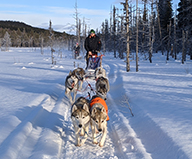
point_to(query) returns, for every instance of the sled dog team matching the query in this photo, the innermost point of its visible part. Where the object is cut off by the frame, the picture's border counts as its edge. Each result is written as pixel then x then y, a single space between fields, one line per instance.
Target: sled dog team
pixel 84 112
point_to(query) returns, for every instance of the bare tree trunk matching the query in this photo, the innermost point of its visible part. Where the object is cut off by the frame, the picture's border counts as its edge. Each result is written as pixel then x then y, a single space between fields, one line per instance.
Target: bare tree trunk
pixel 183 49
pixel 114 31
pixel 169 38
pixel 150 40
pixel 42 40
pixel 137 32
pixel 127 28
pixel 77 23
pixel 84 32
pixel 175 40
pixel 79 32
pixel 186 43
pixel 151 34
pixel 144 28
pixel 103 37
pixel 51 40
pixel 110 29
pixel 160 33
pixel 121 46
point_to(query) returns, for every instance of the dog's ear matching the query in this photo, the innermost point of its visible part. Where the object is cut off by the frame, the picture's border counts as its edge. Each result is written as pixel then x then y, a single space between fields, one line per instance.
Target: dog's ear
pixel 70 73
pixel 74 108
pixel 94 110
pixel 85 107
pixel 103 110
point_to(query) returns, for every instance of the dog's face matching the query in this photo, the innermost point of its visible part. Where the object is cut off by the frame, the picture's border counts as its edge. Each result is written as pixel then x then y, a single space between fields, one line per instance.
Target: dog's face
pixel 80 73
pixel 80 116
pixel 71 81
pixel 99 116
pixel 99 72
pixel 102 88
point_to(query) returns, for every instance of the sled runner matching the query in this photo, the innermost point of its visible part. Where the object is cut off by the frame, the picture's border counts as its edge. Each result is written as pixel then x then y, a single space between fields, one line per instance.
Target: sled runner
pixel 94 62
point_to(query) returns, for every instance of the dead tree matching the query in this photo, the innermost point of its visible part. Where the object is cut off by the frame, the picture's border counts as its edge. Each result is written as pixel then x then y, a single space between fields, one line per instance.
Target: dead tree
pixel 151 34
pixel 175 40
pixel 51 34
pixel 127 30
pixel 160 32
pixel 79 31
pixel 137 32
pixel 183 45
pixel 114 31
pixel 169 38
pixel 144 26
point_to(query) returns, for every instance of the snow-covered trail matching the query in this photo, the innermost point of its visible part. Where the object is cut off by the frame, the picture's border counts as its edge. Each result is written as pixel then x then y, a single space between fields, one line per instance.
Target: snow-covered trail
pixel 147 137
pixel 122 141
pixel 37 131
pixel 112 148
pixel 35 115
pixel 128 142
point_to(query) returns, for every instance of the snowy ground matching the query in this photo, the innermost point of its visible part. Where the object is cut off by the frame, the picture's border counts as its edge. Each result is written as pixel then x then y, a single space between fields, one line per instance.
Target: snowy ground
pixel 35 118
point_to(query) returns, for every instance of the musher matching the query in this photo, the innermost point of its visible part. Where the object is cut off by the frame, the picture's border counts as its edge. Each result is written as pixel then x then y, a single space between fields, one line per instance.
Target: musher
pixel 92 45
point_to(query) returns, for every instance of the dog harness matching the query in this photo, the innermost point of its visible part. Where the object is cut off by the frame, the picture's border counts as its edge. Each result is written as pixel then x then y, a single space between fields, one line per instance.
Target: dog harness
pixel 101 101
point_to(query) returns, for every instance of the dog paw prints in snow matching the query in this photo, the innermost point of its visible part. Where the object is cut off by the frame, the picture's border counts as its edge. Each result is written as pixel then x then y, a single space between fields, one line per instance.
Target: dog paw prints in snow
pixel 55 66
pixel 115 157
pixel 31 63
pixel 46 59
pixel 23 68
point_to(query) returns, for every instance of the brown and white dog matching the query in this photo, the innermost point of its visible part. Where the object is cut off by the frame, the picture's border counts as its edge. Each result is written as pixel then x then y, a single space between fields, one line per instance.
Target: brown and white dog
pixel 99 118
pixel 80 116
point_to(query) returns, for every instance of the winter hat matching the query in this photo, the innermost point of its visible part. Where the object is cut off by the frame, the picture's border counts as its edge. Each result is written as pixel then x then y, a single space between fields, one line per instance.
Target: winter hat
pixel 92 31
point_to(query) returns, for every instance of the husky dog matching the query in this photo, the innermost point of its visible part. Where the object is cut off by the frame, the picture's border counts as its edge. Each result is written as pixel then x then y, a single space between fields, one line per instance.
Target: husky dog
pixel 100 72
pixel 80 117
pixel 102 87
pixel 99 118
pixel 80 74
pixel 73 83
pixel 71 86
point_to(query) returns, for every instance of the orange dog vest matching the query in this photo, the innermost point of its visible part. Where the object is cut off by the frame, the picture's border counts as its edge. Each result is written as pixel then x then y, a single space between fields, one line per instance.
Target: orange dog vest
pixel 101 101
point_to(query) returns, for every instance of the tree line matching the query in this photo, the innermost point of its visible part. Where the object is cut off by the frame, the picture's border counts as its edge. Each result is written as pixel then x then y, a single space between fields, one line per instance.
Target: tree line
pixel 152 26
pixel 18 34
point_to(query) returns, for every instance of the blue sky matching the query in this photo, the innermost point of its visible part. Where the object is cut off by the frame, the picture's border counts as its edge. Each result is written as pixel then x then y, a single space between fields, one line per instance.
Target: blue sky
pixel 38 13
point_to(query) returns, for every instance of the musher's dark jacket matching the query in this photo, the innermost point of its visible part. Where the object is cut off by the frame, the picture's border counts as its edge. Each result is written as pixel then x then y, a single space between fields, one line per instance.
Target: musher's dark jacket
pixel 92 44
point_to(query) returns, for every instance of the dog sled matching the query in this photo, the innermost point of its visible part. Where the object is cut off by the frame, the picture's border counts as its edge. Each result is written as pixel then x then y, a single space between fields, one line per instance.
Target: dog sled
pixel 93 63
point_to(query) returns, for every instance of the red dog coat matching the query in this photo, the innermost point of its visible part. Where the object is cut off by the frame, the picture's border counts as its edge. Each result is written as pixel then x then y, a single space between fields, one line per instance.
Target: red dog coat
pixel 101 101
